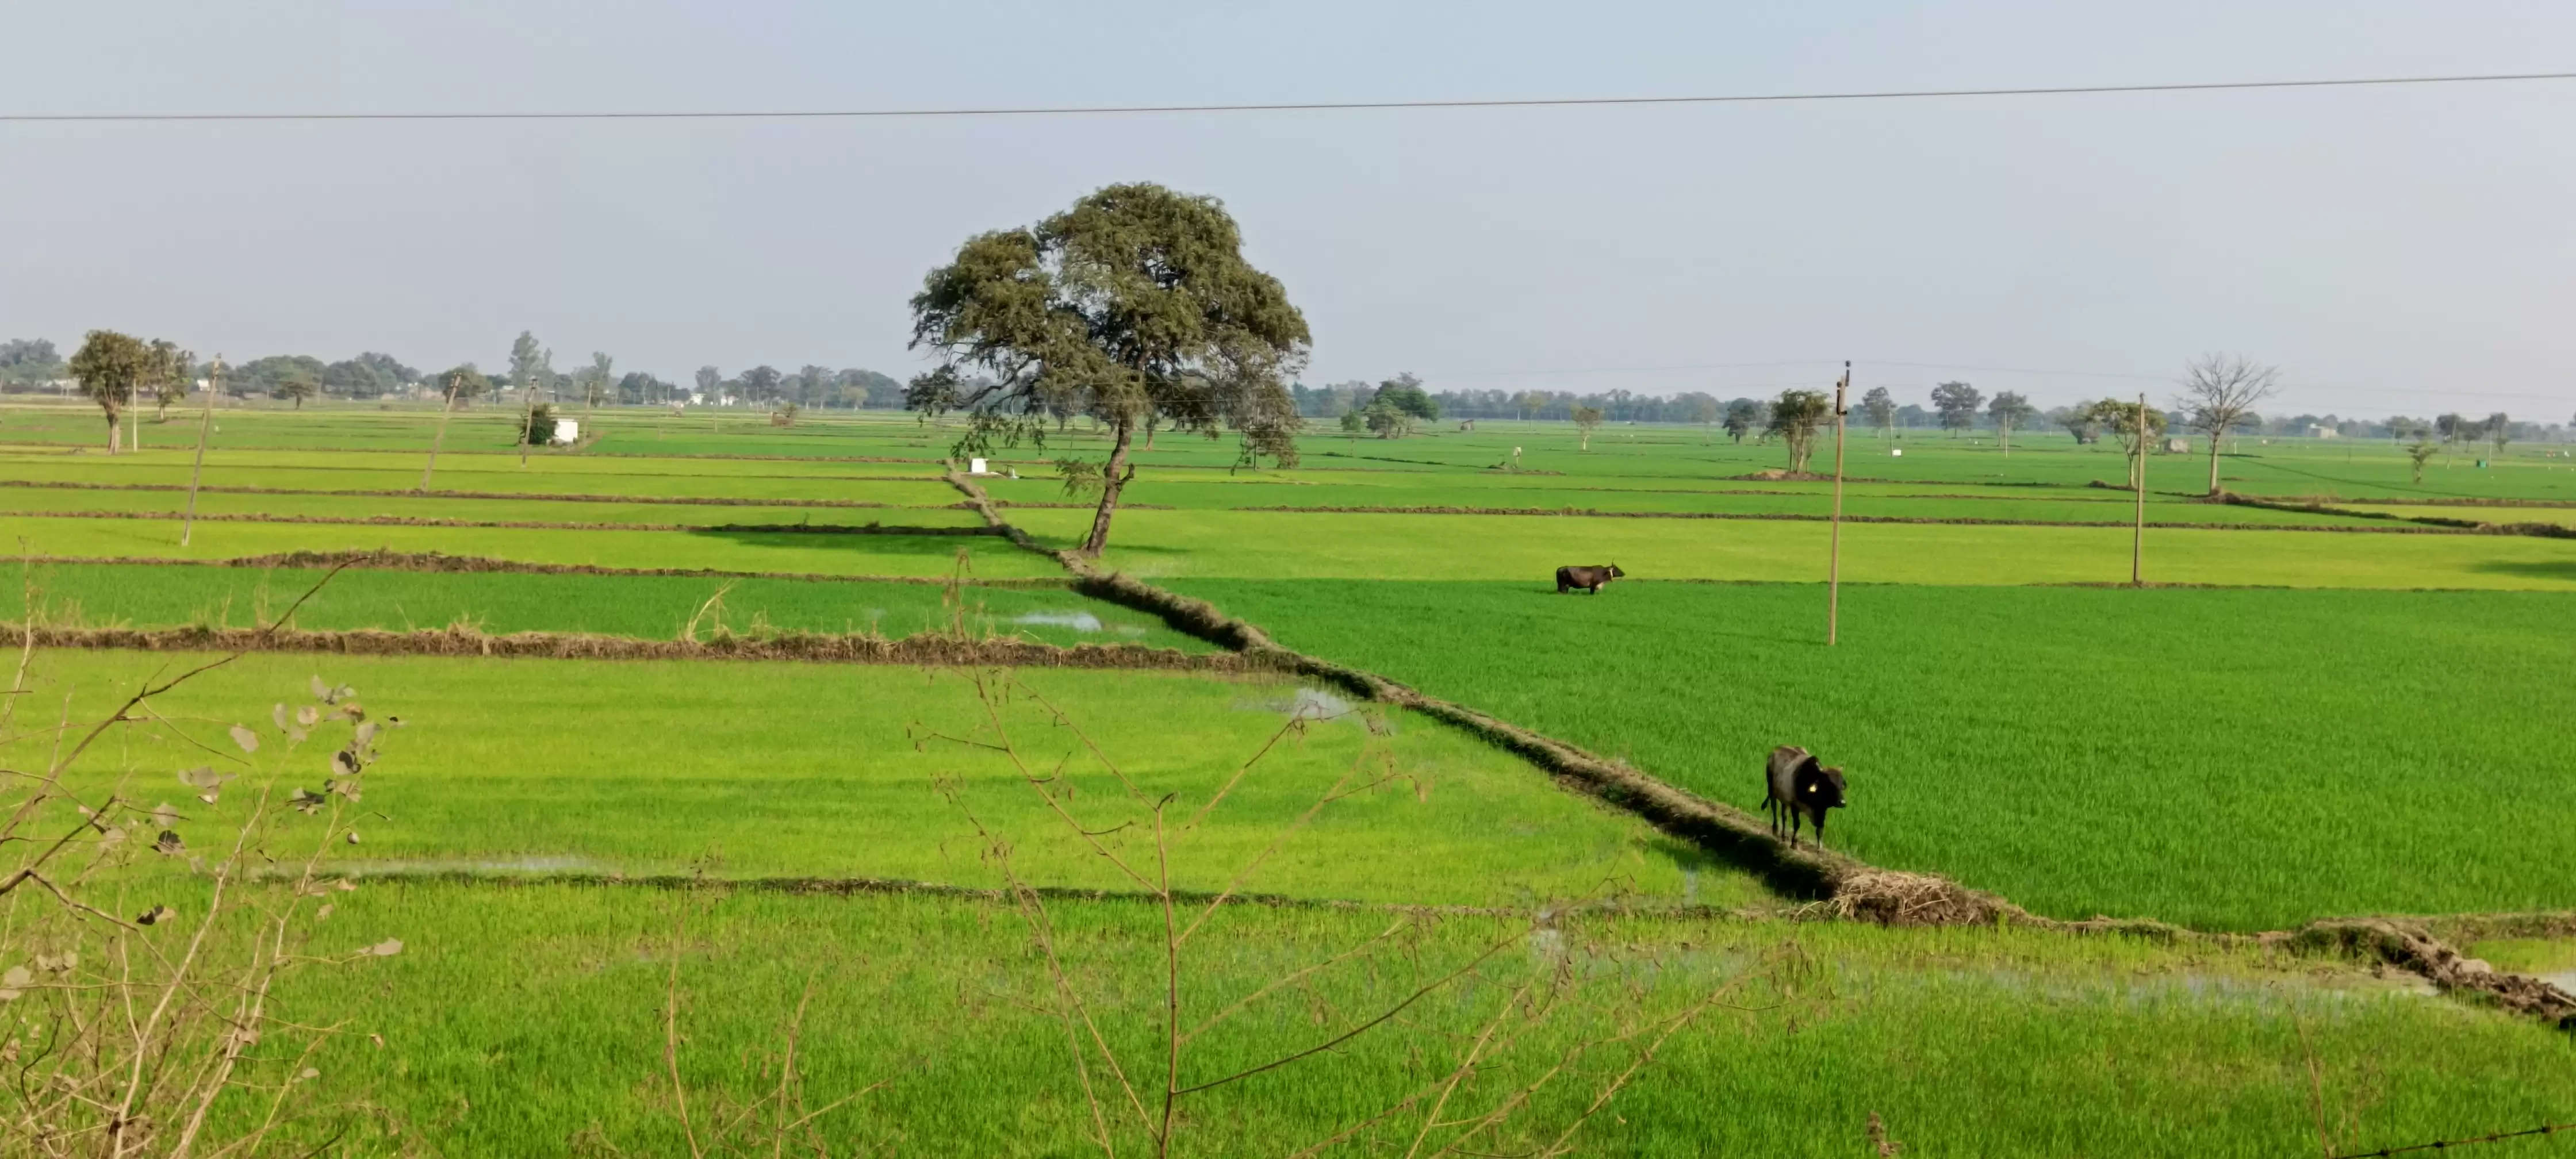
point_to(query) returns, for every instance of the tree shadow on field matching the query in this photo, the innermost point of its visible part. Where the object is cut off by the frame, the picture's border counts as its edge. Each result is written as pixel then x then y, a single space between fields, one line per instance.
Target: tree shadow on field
pixel 2556 569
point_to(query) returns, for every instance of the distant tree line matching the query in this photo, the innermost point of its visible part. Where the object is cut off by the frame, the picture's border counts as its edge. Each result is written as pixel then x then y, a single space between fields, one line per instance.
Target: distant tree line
pixel 36 364
pixel 1953 406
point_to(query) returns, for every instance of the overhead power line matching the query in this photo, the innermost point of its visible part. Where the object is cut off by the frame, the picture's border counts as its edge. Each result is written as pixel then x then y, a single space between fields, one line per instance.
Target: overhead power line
pixel 1295 106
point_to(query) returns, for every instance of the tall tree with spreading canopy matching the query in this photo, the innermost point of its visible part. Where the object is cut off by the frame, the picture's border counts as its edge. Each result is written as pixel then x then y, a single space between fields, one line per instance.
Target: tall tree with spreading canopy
pixel 2219 392
pixel 172 370
pixel 1957 404
pixel 2120 417
pixel 1880 408
pixel 1742 416
pixel 295 384
pixel 2009 410
pixel 1399 404
pixel 1795 417
pixel 110 366
pixel 2499 432
pixel 710 383
pixel 1136 307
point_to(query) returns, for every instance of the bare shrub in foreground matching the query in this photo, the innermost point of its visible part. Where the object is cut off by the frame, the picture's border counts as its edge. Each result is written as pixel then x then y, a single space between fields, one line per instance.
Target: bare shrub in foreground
pixel 139 969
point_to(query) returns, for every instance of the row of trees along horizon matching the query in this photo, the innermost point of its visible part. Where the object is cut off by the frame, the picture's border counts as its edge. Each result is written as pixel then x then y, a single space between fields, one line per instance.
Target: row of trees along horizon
pixel 36 364
pixel 1392 409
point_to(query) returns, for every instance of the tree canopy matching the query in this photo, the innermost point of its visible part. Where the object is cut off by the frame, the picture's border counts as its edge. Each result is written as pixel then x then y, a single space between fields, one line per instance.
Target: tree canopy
pixel 1134 306
pixel 111 367
pixel 1795 417
pixel 1957 403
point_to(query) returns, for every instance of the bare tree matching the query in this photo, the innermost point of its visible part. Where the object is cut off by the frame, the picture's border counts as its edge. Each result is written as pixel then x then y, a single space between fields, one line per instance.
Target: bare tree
pixel 2220 391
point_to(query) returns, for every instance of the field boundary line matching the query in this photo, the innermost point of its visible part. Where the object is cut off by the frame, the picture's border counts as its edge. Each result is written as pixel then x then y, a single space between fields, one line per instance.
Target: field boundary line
pixel 928 648
pixel 870 528
pixel 443 872
pixel 511 496
pixel 1806 517
pixel 2424 522
pixel 2406 501
pixel 517 524
pixel 434 561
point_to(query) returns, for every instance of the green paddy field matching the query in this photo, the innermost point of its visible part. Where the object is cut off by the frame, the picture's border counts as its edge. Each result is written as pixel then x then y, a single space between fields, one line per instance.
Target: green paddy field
pixel 608 872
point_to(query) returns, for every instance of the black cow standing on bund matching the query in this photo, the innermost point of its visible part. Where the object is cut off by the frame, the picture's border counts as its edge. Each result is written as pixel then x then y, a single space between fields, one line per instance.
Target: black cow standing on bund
pixel 1589 579
pixel 1800 788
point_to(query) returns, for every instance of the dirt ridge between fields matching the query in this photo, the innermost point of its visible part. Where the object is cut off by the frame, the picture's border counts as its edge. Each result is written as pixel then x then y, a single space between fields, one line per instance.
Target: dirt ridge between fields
pixel 1810 517
pixel 2425 522
pixel 1843 886
pixel 529 496
pixel 435 561
pixel 524 524
pixel 929 648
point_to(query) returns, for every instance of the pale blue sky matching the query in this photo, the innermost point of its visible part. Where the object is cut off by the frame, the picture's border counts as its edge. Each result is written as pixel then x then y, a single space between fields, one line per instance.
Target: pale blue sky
pixel 2394 250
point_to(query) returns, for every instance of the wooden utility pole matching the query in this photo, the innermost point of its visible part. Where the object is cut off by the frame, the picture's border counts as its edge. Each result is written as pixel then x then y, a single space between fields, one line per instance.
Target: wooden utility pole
pixel 214 386
pixel 1834 554
pixel 2138 540
pixel 441 436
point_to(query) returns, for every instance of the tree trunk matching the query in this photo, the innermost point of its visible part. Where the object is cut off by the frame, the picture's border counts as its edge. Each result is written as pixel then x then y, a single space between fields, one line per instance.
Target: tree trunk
pixel 1112 481
pixel 112 429
pixel 2213 464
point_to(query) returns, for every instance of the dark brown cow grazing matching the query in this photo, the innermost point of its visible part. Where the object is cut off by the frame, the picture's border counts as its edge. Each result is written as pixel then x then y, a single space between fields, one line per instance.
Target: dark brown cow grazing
pixel 1588 578
pixel 1801 788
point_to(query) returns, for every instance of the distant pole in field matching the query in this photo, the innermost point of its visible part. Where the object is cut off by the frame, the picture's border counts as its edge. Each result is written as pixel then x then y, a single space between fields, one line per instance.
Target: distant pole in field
pixel 1834 554
pixel 441 435
pixel 2138 540
pixel 214 386
pixel 527 421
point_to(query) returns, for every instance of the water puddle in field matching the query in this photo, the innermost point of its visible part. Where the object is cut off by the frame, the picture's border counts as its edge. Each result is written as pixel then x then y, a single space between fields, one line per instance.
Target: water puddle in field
pixel 1312 703
pixel 418 867
pixel 1083 622
pixel 1078 621
pixel 2552 960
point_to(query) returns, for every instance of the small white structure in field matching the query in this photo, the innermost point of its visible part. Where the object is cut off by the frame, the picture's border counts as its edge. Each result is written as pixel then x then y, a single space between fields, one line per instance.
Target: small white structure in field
pixel 566 432
pixel 1899 452
pixel 2177 446
pixel 977 467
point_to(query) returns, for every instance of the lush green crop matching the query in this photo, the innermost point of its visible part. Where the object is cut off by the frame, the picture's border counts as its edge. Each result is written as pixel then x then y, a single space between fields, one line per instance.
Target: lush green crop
pixel 791 552
pixel 559 474
pixel 67 501
pixel 643 607
pixel 518 1018
pixel 2222 758
pixel 798 770
pixel 1529 549
pixel 2020 504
